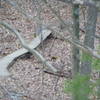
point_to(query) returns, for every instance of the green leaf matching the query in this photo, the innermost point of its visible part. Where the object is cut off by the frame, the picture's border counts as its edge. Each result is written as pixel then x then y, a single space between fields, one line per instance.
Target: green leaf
pixel 80 87
pixel 96 64
pixel 86 57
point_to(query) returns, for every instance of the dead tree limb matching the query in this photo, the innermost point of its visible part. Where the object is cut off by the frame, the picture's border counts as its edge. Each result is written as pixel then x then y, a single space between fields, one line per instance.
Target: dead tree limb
pixel 82 47
pixel 6 61
pixel 65 75
pixel 26 46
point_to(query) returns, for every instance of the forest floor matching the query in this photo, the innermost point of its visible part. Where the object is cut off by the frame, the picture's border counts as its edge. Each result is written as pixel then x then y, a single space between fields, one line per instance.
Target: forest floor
pixel 27 77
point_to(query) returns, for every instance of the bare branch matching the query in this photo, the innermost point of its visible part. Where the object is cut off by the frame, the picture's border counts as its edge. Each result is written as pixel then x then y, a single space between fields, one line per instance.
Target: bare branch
pixel 25 45
pixel 82 47
pixel 7 61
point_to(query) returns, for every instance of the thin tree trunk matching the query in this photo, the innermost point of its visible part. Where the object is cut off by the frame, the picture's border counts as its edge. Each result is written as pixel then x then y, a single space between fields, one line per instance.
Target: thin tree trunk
pixel 90 28
pixel 98 91
pixel 75 50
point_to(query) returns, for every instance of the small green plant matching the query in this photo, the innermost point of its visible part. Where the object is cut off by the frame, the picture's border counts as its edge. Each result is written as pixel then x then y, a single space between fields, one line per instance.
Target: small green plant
pixel 81 87
pixel 96 62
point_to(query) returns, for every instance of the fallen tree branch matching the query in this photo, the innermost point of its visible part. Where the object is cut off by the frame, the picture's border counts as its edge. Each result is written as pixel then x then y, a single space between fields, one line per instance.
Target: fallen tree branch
pixel 65 75
pixel 6 61
pixel 26 46
pixel 82 47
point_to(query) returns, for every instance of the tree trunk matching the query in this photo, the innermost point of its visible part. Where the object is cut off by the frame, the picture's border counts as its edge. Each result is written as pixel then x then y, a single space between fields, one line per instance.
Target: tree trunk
pixel 89 39
pixel 90 29
pixel 75 51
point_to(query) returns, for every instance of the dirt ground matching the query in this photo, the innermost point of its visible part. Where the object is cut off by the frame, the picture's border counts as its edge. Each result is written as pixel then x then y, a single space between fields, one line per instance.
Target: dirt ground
pixel 27 78
pixel 28 82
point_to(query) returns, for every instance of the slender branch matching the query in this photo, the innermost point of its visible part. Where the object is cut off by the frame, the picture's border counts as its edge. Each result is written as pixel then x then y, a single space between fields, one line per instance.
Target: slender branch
pixel 78 44
pixel 65 75
pixel 25 45
pixel 8 60
pixel 83 47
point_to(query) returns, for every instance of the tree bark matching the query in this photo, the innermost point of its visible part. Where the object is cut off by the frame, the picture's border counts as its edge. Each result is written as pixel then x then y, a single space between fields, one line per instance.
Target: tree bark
pixel 75 50
pixel 90 28
pixel 89 38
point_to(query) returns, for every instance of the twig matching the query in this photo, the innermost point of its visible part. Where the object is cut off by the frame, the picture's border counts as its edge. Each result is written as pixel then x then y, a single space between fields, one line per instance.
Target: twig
pixel 65 75
pixel 82 47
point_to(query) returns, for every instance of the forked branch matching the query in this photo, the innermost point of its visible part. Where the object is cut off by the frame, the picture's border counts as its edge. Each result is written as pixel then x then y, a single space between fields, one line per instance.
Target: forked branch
pixel 26 46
